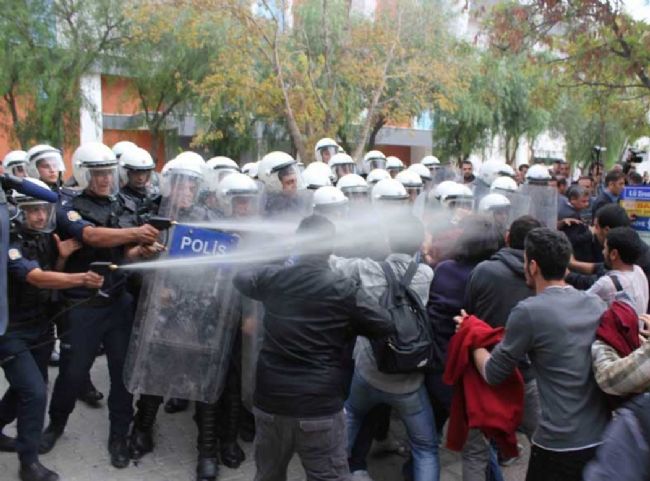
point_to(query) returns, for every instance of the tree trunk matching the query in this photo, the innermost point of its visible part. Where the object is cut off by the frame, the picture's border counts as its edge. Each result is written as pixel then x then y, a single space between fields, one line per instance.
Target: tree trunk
pixel 381 121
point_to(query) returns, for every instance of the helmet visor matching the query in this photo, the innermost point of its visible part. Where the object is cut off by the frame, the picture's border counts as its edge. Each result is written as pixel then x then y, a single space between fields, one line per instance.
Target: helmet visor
pixel 38 216
pixel 324 154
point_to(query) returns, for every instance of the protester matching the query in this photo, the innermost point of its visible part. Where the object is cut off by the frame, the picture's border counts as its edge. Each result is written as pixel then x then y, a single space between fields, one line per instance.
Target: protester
pixel 570 221
pixel 309 310
pixel 405 393
pixel 614 185
pixel 573 413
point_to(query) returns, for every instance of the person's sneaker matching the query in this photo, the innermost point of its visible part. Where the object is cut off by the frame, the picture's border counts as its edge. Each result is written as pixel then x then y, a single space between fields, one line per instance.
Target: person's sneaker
pixel 7 444
pixel 36 472
pixel 49 437
pixel 118 447
pixel 361 475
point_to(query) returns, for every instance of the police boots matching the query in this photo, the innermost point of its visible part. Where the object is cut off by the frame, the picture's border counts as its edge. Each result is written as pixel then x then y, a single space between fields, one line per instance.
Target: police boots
pixel 207 467
pixel 52 433
pixel 141 438
pixel 36 472
pixel 230 452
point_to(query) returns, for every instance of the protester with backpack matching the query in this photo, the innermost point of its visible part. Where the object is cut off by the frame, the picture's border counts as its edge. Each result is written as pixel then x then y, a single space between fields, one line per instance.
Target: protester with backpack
pixel 401 285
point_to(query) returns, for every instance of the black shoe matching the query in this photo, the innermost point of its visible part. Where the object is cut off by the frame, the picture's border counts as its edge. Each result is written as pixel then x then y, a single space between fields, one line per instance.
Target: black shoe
pixel 36 472
pixel 207 469
pixel 232 455
pixel 175 405
pixel 7 444
pixel 118 447
pixel 49 437
pixel 140 442
pixel 91 397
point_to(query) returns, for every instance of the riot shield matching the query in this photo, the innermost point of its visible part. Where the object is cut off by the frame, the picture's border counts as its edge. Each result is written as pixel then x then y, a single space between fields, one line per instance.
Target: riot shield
pixel 519 205
pixel 543 203
pixel 187 318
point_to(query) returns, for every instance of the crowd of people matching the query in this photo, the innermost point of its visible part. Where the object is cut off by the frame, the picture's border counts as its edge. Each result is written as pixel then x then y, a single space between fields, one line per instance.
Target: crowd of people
pixel 308 308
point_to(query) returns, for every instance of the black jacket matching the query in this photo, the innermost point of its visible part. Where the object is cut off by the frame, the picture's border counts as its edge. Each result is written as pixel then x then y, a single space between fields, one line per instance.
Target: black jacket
pixel 496 286
pixel 310 314
pixel 601 200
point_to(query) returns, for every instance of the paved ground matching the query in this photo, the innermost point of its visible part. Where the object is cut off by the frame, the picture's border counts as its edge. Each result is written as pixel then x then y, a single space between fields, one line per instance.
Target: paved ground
pixel 81 455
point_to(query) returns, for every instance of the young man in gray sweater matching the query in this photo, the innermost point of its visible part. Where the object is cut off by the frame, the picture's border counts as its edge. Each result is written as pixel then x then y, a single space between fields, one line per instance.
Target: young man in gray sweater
pixel 556 328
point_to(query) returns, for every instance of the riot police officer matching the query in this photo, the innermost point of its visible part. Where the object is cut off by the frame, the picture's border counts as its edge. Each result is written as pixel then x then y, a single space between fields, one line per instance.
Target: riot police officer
pixel 283 185
pixel 35 254
pixel 105 316
pixel 136 167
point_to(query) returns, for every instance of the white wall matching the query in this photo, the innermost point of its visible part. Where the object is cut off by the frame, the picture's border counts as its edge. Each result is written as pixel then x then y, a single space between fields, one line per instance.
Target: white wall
pixel 90 125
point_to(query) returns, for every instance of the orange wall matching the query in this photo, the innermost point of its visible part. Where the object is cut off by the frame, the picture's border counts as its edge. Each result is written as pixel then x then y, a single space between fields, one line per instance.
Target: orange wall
pixel 118 96
pixel 142 138
pixel 402 152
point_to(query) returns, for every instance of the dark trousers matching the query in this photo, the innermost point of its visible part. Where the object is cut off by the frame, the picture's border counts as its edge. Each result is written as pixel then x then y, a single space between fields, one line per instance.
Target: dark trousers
pixel 545 465
pixel 26 398
pixel 89 327
pixel 320 443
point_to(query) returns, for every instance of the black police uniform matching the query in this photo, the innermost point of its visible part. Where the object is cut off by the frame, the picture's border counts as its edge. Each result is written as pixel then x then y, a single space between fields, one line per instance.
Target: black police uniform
pixel 26 345
pixel 105 319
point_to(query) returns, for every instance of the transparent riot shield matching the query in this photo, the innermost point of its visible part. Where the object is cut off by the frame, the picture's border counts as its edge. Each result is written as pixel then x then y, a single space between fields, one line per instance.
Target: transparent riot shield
pixel 519 205
pixel 186 322
pixel 187 318
pixel 543 203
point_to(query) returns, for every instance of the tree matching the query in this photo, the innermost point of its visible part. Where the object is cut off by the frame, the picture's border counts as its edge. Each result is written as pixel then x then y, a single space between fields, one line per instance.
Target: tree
pixel 45 48
pixel 168 52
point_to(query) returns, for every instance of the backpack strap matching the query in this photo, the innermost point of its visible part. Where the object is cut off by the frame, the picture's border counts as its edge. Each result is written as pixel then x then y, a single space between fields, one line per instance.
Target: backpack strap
pixel 616 282
pixel 390 276
pixel 409 274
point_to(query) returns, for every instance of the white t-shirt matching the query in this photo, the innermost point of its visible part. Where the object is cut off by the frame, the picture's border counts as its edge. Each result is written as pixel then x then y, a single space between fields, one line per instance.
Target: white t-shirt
pixel 634 284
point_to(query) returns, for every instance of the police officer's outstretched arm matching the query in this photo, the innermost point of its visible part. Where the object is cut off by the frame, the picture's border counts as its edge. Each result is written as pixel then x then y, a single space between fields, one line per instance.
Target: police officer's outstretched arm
pixel 61 280
pixel 370 319
pixel 108 237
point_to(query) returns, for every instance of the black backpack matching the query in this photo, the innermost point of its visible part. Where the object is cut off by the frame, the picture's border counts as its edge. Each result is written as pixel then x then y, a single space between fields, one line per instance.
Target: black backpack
pixel 412 348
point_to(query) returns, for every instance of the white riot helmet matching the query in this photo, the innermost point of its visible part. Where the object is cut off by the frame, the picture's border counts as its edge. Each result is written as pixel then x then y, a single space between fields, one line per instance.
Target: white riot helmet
pixel 376 175
pixel 122 146
pixel 45 163
pixel 422 171
pixel 316 177
pixel 389 190
pixel 325 149
pixel 135 160
pixel 330 201
pixel 35 215
pixel 16 163
pixel 222 166
pixel 342 164
pixel 493 201
pixel 250 169
pixel 394 165
pixel 352 184
pixel 538 174
pixel 504 184
pixel 412 182
pixel 95 167
pixel 239 196
pixel 431 162
pixel 182 179
pixel 457 196
pixel 374 159
pixel 492 169
pixel 279 172
pixel 496 204
pixel 441 190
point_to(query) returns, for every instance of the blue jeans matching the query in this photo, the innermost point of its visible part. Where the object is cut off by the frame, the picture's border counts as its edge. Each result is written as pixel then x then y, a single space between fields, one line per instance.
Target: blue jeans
pixel 415 411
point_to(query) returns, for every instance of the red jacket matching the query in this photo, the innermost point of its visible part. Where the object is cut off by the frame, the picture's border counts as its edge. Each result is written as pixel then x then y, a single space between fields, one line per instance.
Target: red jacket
pixel 495 410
